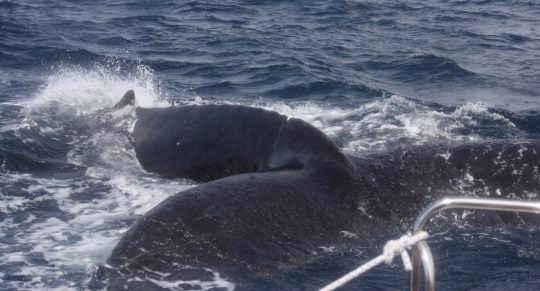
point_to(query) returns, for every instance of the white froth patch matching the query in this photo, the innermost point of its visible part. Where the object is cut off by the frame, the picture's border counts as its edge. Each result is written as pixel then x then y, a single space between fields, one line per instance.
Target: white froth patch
pixel 80 243
pixel 329 249
pixel 85 91
pixel 477 110
pixel 388 122
pixel 217 282
pixel 348 234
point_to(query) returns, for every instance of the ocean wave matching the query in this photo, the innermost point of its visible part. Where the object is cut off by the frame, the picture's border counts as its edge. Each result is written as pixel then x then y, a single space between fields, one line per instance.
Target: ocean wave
pixel 320 90
pixel 419 68
pixel 13 60
pixel 9 4
pixel 198 7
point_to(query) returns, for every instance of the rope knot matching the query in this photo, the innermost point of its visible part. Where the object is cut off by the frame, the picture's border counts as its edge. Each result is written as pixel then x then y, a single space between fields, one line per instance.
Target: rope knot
pixel 402 246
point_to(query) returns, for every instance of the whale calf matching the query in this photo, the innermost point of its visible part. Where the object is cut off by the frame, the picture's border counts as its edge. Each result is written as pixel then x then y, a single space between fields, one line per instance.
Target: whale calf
pixel 275 191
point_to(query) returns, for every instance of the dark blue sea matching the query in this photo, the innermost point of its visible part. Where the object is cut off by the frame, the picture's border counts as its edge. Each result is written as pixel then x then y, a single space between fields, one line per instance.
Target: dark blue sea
pixel 373 75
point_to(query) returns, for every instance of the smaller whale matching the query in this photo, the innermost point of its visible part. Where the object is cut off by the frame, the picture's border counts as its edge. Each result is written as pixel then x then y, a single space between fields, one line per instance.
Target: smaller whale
pixel 277 191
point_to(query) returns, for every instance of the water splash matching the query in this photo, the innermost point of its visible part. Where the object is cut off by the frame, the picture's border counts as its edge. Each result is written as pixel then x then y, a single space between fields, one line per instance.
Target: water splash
pixel 386 123
pixel 86 90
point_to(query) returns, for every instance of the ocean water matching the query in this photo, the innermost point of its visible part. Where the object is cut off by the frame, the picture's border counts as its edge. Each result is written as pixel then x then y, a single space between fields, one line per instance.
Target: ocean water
pixel 372 75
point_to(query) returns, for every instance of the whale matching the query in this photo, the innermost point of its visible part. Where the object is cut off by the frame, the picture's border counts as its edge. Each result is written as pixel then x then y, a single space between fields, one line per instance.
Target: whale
pixel 276 193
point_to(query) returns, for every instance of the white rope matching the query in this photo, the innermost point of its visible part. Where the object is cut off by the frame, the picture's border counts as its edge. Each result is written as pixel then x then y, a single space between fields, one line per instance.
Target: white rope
pixel 392 248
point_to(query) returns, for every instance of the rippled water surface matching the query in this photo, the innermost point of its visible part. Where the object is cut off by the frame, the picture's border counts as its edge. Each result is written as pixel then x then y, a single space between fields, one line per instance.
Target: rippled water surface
pixel 373 75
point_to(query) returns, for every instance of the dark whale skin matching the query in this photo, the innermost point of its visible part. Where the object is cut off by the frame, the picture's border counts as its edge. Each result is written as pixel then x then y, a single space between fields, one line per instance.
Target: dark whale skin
pixel 276 190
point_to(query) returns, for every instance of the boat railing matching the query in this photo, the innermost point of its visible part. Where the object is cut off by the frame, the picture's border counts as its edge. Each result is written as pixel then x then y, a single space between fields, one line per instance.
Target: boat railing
pixel 422 258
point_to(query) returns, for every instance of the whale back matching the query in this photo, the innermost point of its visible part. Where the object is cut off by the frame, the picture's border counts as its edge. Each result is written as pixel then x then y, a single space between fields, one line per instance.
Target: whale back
pixel 214 141
pixel 285 189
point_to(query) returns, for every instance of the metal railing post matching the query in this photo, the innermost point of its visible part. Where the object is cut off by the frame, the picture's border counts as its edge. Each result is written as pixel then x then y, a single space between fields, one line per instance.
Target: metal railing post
pixel 422 258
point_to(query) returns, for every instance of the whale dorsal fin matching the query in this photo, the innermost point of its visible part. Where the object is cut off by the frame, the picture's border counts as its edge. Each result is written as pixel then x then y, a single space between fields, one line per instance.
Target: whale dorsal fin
pixel 127 99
